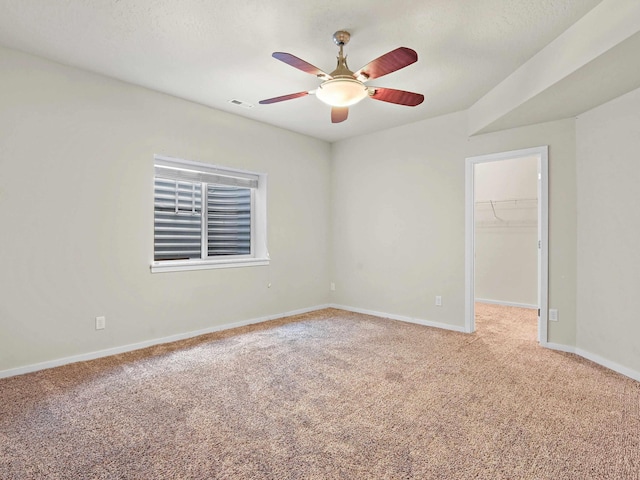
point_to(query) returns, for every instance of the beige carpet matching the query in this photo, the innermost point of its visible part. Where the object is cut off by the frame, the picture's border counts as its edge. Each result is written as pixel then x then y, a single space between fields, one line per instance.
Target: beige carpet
pixel 328 395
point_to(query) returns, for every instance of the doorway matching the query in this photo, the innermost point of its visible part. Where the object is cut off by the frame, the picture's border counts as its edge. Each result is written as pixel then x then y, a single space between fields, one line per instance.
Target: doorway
pixel 540 156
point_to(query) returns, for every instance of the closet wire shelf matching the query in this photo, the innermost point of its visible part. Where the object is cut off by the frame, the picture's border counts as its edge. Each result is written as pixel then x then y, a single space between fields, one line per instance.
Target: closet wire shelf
pixel 507 213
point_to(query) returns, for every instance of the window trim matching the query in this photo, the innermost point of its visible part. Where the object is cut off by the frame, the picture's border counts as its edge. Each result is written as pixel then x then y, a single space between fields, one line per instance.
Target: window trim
pixel 204 172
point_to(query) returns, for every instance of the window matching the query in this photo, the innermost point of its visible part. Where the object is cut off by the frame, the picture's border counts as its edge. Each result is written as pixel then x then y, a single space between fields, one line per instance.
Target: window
pixel 207 216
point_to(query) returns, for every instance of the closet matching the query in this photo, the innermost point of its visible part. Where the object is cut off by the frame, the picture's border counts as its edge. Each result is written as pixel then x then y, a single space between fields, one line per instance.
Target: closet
pixel 506 232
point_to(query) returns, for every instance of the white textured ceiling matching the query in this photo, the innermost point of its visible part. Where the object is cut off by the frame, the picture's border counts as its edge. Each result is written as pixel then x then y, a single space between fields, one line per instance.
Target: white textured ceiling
pixel 211 52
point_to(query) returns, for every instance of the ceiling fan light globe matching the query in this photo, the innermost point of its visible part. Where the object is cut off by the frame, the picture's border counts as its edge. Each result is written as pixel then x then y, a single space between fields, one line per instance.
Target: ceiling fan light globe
pixel 342 92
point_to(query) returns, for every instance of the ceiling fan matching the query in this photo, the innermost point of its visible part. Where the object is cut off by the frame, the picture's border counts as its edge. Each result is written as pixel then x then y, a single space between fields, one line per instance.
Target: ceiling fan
pixel 343 88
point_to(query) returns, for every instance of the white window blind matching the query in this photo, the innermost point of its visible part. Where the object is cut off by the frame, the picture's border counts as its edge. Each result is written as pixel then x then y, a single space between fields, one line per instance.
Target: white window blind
pixel 207 215
pixel 177 219
pixel 228 220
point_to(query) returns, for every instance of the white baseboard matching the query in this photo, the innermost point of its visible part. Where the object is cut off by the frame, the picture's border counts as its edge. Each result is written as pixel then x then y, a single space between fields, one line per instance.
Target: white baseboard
pixel 507 304
pixel 559 347
pixel 402 318
pixel 149 343
pixel 181 336
pixel 616 367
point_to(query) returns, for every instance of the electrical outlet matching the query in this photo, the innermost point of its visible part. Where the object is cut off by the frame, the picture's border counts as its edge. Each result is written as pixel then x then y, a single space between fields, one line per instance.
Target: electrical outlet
pixel 332 287
pixel 553 315
pixel 101 323
pixel 438 301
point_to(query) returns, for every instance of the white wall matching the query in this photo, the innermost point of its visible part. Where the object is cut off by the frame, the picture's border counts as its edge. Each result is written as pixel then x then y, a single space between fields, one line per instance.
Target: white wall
pixel 398 217
pixel 506 179
pixel 608 146
pixel 76 209
pixel 506 233
pixel 398 220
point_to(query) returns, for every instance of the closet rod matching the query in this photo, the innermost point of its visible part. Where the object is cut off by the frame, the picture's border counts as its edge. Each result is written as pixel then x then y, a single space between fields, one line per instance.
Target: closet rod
pixel 511 200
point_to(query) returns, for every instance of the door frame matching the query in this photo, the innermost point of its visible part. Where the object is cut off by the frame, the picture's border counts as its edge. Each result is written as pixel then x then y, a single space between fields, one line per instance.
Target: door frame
pixel 542 154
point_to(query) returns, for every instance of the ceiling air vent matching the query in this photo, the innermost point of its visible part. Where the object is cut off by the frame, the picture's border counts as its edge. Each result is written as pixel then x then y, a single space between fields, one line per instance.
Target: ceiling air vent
pixel 240 103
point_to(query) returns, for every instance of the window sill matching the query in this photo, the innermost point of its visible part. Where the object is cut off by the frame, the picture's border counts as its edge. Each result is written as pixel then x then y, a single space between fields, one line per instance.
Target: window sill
pixel 184 265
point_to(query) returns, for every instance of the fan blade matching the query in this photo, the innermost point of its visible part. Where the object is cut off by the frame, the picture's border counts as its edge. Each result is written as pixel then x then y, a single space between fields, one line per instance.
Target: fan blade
pixel 291 96
pixel 399 97
pixel 299 64
pixel 387 63
pixel 339 114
